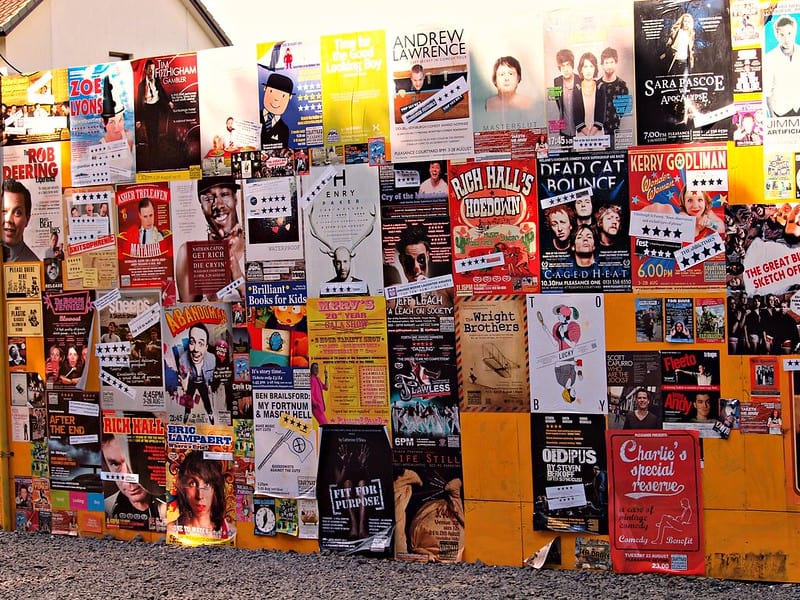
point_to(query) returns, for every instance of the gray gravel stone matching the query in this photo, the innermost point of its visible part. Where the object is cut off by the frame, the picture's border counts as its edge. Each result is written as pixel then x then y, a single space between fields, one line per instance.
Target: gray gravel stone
pixel 62 567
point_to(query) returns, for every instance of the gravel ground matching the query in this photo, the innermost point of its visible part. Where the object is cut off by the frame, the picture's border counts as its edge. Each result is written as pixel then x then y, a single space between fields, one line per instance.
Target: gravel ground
pixel 64 568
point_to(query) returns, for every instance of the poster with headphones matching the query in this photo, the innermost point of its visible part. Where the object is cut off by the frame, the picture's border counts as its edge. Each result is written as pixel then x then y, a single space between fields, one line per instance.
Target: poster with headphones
pixel 566 341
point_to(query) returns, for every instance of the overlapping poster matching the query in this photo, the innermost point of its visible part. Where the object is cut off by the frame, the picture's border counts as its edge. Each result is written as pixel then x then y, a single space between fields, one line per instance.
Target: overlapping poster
pixel 144 242
pixel 590 102
pixel 429 505
pixel 196 378
pixel 656 514
pixel 347 340
pixel 73 425
pixel 354 490
pixel 36 191
pixel 88 257
pixel 290 94
pixel 684 87
pixel 208 239
pixel 133 448
pixel 781 97
pixel 566 340
pixel 429 87
pixel 285 443
pixel 491 351
pixel 570 482
pixel 68 323
pixel 494 227
pixel 201 509
pixel 228 116
pixel 102 123
pixel 762 260
pixel 38 107
pixel 678 194
pixel 130 352
pixel 342 234
pixel 167 116
pixel 583 215
pixel 354 91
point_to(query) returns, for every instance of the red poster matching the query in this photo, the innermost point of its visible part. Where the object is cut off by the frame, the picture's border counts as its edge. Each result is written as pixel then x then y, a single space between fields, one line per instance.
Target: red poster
pixel 656 508
pixel 493 216
pixel 144 245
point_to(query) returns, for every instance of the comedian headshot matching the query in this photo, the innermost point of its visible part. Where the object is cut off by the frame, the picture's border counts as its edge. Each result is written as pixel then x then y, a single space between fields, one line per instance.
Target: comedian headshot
pixel 16 216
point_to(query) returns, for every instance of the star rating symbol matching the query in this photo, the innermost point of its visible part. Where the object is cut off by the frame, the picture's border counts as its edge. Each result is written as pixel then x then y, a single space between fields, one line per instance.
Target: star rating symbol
pixel 656 231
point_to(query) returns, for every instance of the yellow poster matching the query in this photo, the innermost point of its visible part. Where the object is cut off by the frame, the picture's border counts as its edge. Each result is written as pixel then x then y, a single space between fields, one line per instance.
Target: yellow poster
pixel 23 280
pixel 24 318
pixel 348 356
pixel 354 92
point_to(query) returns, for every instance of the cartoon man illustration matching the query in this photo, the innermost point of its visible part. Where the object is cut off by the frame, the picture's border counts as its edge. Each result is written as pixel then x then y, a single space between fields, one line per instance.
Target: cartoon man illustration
pixel 278 90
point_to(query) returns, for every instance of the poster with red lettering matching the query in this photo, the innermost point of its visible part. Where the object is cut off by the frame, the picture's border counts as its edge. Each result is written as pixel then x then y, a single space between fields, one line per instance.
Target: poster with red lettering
pixel 656 514
pixel 493 215
pixel 144 243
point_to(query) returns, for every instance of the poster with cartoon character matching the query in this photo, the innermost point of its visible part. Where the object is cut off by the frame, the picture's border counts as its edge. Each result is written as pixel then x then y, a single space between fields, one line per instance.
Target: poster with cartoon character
pixel 566 342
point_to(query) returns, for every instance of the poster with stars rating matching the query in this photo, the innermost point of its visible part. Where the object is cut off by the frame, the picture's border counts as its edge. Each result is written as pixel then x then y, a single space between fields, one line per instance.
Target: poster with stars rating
pixel 130 354
pixel 273 227
pixel 291 67
pixel 285 443
pixel 495 231
pixel 430 96
pixel 583 210
pixel 678 196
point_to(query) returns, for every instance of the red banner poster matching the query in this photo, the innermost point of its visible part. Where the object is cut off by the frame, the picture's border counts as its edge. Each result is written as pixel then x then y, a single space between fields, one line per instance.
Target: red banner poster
pixel 656 504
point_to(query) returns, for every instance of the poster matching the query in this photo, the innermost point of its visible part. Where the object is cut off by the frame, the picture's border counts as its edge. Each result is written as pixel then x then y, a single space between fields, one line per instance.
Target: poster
pixel 228 115
pixel 285 443
pixel 278 356
pixel 87 255
pixel 678 195
pixel 208 239
pixel 347 338
pixel 657 502
pixel 201 507
pixel 37 107
pixel 634 390
pixel 102 124
pixel 566 340
pixel 167 116
pixel 709 318
pixel 590 63
pixel 144 242
pixel 494 227
pixel 429 88
pixel 73 426
pixel 133 450
pixel 68 323
pixel 196 377
pixel 684 87
pixel 491 354
pixel 570 482
pixel 584 216
pixel 763 306
pixel 781 97
pixel 35 194
pixel 290 94
pixel 342 235
pixel 354 91
pixel 691 389
pixel 133 324
pixel 354 490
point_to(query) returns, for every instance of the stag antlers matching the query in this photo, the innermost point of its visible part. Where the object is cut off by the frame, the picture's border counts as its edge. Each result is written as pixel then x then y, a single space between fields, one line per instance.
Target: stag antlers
pixel 330 249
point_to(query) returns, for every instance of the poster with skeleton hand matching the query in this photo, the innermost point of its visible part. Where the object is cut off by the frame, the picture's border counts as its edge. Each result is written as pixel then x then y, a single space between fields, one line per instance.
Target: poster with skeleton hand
pixel 566 337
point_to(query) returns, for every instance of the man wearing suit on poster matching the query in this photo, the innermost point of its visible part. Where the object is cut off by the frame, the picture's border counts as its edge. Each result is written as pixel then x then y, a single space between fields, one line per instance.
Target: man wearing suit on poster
pixel 278 91
pixel 152 102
